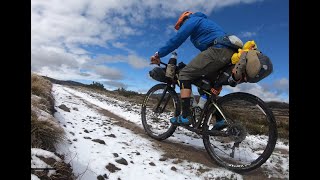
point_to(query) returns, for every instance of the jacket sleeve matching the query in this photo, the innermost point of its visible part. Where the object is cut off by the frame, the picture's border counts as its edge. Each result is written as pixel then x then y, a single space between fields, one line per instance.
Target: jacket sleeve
pixel 183 33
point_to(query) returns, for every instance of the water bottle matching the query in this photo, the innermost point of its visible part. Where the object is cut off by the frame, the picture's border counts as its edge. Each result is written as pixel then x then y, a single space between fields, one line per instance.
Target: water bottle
pixel 193 101
pixel 202 101
pixel 170 71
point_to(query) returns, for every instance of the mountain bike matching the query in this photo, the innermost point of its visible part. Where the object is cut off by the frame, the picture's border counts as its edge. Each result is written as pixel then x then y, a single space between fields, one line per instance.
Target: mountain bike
pixel 243 145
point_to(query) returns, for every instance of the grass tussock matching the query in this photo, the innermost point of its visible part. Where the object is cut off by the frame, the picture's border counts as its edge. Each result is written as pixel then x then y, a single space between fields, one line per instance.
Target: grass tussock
pixel 62 170
pixel 44 133
pixel 42 88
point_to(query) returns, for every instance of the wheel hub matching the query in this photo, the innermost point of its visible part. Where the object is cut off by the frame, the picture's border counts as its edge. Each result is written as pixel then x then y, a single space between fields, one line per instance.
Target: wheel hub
pixel 236 132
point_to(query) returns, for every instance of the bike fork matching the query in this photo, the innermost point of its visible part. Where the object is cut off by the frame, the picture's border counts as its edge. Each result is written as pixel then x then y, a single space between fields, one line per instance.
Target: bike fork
pixel 161 99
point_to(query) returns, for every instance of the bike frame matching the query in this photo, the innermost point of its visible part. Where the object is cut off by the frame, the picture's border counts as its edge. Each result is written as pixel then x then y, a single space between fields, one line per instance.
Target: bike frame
pixel 197 127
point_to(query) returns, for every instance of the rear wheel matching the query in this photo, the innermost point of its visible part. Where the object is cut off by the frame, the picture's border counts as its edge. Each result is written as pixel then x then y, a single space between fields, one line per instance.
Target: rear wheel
pixel 160 104
pixel 252 132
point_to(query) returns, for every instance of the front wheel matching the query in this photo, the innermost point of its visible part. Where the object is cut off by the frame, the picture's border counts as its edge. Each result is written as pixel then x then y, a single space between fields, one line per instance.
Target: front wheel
pixel 160 104
pixel 252 132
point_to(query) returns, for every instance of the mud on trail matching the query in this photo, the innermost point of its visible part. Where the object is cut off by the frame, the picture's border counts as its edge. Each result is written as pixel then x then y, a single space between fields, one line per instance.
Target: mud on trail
pixel 174 150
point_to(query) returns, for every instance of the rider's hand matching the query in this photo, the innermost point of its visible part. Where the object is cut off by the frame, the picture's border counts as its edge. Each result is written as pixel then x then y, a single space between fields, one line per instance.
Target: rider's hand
pixel 155 59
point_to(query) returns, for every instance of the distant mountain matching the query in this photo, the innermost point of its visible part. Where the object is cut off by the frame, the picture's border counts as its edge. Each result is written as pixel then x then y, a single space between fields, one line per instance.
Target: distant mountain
pixel 70 83
pixel 271 104
pixel 276 104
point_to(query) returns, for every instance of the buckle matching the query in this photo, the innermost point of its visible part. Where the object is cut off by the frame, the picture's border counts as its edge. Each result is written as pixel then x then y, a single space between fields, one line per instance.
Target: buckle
pixel 216 91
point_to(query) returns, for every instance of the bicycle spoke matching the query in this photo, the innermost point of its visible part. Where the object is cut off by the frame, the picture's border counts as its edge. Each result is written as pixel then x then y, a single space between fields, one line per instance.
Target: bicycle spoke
pixel 249 132
pixel 159 106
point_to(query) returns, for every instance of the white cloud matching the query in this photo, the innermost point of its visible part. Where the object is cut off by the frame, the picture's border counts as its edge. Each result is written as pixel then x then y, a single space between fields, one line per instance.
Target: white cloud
pixel 282 84
pixel 247 34
pixel 114 84
pixel 137 62
pixel 104 58
pixel 133 60
pixel 55 57
pixel 60 29
pixel 65 73
pixel 107 72
pixel 262 92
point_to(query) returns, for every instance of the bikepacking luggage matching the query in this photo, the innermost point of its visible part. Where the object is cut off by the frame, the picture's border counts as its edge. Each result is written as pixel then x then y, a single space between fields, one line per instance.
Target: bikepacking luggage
pixel 159 74
pixel 257 67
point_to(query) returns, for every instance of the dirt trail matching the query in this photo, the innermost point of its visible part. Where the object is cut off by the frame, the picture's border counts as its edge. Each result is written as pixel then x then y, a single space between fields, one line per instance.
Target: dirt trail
pixel 174 150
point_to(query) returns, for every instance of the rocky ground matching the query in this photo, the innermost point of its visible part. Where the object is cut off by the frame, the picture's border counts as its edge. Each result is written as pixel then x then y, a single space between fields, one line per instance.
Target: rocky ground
pixel 106 140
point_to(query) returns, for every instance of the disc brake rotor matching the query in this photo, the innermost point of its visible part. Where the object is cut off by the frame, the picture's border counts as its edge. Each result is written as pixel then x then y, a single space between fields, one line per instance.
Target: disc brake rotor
pixel 236 132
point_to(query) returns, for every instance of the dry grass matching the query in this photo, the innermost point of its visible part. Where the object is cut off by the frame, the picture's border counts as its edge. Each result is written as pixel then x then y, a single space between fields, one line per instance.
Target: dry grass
pixel 256 122
pixel 62 170
pixel 42 88
pixel 129 96
pixel 44 134
pixel 44 130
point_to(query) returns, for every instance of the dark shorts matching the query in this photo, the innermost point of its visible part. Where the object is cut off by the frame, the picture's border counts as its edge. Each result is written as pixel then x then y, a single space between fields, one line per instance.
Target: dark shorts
pixel 207 63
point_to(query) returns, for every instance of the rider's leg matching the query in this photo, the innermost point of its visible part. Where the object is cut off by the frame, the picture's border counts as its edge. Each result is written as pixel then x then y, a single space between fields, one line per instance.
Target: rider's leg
pixel 206 63
pixel 185 94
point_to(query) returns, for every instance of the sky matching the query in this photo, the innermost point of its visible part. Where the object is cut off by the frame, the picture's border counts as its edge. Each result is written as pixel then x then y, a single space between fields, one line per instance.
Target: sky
pixel 111 41
pixel 89 159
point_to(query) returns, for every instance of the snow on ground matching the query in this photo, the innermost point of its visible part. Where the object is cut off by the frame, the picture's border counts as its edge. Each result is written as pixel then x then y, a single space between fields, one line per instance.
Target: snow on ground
pixel 95 145
pixel 36 162
pixel 94 156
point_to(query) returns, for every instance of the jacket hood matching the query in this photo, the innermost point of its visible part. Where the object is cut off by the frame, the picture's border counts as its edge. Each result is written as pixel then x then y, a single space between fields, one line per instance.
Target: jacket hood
pixel 198 14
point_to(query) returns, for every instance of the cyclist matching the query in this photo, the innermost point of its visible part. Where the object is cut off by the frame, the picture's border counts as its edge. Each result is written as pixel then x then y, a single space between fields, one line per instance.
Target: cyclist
pixel 216 49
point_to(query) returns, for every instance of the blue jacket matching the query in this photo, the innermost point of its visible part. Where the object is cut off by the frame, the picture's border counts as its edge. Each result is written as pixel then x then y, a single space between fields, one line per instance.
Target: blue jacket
pixel 202 32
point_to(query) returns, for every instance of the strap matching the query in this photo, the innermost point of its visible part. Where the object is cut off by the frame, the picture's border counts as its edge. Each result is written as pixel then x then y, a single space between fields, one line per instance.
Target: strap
pixel 225 41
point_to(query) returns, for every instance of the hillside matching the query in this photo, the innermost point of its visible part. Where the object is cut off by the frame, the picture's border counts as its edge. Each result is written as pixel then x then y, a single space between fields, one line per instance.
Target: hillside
pixel 126 93
pixel 279 109
pixel 104 139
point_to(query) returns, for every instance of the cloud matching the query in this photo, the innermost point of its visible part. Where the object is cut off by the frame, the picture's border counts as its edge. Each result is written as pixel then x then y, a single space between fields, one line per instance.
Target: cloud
pixel 104 58
pixel 247 34
pixel 66 73
pixel 137 62
pixel 55 57
pixel 61 29
pixel 279 91
pixel 107 73
pixel 133 60
pixel 115 84
pixel 279 86
pixel 282 84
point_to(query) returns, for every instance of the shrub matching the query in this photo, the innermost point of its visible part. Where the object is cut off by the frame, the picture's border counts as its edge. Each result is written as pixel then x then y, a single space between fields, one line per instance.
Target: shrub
pixel 96 85
pixel 126 93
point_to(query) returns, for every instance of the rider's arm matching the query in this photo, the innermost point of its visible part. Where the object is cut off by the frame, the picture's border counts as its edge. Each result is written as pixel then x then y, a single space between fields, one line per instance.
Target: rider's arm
pixel 182 34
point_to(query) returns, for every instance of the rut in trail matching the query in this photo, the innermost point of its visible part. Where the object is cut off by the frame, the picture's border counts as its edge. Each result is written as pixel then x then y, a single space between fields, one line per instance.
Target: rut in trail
pixel 173 150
